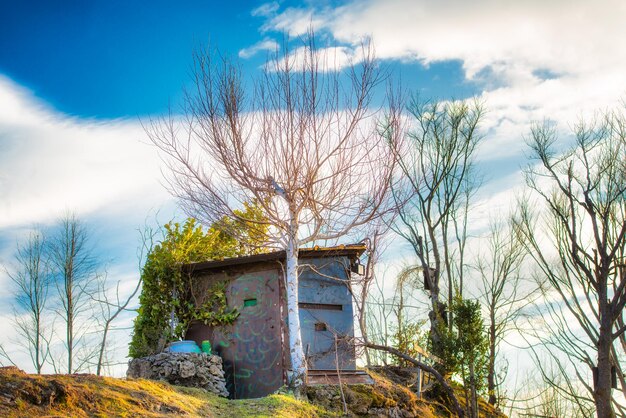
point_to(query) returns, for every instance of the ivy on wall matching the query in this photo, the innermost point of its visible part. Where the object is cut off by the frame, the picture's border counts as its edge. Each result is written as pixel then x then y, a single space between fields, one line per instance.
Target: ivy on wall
pixel 166 295
pixel 213 311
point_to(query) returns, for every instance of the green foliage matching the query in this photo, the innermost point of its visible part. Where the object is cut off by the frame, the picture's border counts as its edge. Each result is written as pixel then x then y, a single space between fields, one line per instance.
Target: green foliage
pixel 466 344
pixel 167 290
pixel 214 311
pixel 470 349
pixel 246 235
pixel 472 343
pixel 409 338
pixel 465 348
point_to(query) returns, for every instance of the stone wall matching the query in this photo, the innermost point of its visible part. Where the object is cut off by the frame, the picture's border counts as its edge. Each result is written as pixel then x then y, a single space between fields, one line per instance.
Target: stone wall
pixel 184 369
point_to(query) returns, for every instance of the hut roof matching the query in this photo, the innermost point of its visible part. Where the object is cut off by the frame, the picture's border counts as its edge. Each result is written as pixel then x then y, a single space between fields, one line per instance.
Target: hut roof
pixel 352 251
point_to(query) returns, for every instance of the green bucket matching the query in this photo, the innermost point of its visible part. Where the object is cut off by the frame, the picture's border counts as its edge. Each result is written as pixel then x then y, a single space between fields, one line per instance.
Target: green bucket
pixel 206 347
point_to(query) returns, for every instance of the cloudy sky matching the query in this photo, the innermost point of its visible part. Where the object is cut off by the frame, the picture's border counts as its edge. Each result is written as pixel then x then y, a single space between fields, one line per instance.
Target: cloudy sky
pixel 77 79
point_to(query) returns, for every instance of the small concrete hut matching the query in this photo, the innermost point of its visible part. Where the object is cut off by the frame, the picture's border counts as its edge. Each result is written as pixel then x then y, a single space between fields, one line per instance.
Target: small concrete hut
pixel 255 348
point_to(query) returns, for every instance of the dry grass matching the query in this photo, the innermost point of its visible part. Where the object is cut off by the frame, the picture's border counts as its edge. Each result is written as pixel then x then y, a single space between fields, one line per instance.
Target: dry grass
pixel 383 397
pixel 23 395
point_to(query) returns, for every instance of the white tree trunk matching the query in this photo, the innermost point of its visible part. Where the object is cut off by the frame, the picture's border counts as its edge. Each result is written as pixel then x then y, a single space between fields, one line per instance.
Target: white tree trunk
pixel 298 362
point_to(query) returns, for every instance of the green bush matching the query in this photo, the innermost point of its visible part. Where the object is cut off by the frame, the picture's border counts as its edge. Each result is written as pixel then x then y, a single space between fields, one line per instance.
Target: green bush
pixel 166 293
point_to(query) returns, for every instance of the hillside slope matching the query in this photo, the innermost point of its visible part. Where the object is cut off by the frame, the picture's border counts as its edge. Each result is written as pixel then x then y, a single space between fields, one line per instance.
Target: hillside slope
pixel 83 395
pixel 23 395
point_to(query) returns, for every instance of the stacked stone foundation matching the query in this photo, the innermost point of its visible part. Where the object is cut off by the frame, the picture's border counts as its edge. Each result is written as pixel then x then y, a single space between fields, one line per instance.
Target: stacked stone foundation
pixel 183 369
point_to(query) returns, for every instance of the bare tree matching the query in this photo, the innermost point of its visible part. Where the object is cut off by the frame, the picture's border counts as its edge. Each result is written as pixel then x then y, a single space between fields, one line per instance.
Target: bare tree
pixel 74 267
pixel 436 162
pixel 379 311
pixel 579 248
pixel 111 304
pixel 302 142
pixel 361 284
pixel 501 292
pixel 536 397
pixel 31 277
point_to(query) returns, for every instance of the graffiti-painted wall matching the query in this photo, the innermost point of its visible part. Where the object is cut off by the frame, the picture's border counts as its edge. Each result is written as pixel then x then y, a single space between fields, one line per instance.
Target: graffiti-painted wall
pixel 251 348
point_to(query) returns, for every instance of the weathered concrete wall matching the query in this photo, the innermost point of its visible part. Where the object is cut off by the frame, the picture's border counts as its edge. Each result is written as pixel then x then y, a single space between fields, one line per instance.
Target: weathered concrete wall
pixel 184 369
pixel 326 312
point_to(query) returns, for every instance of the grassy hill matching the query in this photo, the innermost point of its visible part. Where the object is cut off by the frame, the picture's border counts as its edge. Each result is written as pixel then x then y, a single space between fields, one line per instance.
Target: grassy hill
pixel 83 395
pixel 92 396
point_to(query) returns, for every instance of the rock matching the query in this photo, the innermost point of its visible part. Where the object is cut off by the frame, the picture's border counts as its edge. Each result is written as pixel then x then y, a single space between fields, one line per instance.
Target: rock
pixel 186 369
pixel 165 369
pixel 384 413
pixel 197 370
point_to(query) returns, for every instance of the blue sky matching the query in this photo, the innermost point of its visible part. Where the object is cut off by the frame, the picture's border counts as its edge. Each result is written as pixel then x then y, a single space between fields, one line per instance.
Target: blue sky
pixel 118 59
pixel 76 78
pixel 110 59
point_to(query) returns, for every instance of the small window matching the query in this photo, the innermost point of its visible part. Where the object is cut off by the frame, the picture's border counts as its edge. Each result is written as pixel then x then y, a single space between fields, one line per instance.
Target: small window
pixel 320 326
pixel 249 302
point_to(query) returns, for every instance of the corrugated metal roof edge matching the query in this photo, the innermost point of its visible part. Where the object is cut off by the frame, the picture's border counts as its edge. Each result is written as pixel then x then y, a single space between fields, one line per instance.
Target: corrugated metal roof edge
pixel 340 250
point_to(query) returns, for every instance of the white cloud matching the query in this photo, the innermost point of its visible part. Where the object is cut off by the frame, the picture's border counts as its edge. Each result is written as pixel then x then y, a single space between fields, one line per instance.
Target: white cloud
pixel 533 59
pixel 266 9
pixel 563 36
pixel 264 45
pixel 50 163
pixel 329 59
pixel 104 171
pixel 294 21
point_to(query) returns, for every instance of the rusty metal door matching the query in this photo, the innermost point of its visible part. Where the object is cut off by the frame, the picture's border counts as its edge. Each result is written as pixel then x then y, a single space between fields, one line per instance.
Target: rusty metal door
pixel 252 349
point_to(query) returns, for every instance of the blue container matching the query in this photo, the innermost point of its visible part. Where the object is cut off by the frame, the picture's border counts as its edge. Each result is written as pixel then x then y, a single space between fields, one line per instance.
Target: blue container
pixel 187 346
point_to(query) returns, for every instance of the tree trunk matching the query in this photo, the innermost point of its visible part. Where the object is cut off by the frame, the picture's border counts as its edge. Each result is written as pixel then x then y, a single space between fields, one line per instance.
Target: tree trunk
pixel 491 372
pixel 298 362
pixel 38 333
pixel 105 334
pixel 602 389
pixel 446 261
pixel 363 326
pixel 70 339
pixel 474 399
pixel 69 303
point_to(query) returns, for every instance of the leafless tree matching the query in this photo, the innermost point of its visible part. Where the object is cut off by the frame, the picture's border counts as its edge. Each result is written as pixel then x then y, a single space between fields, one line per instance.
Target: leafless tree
pixel 110 305
pixel 302 141
pixel 379 312
pixel 73 264
pixel 31 277
pixel 502 292
pixel 376 242
pixel 375 337
pixel 438 179
pixel 537 397
pixel 579 249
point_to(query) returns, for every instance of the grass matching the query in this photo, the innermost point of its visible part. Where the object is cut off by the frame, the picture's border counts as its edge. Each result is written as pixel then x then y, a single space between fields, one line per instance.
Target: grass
pixel 23 395
pixel 92 396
